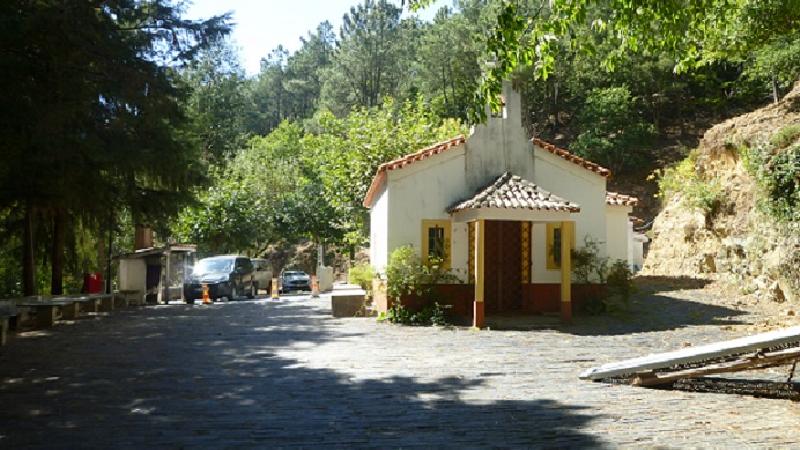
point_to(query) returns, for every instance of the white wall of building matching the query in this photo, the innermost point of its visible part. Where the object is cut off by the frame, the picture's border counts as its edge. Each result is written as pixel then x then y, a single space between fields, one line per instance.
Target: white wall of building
pixel 132 274
pixel 637 251
pixel 499 145
pixel 424 191
pixel 618 233
pixel 540 274
pixel 379 231
pixel 576 184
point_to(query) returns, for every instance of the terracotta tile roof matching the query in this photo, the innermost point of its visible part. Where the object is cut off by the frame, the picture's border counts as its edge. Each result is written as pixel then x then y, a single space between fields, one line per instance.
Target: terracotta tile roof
pixel 512 192
pixel 403 161
pixel 617 199
pixel 575 159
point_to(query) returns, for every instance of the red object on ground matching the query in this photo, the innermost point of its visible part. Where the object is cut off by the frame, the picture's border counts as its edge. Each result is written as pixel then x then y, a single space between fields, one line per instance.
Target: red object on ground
pixel 93 283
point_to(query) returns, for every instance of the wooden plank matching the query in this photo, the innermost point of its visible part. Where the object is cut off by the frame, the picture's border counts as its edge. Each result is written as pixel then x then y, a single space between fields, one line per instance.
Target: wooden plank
pixel 758 361
pixel 747 344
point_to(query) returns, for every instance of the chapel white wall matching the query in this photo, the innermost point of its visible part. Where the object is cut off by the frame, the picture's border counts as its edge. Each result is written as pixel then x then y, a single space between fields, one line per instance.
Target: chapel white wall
pixel 379 231
pixel 500 144
pixel 424 191
pixel 576 184
pixel 619 233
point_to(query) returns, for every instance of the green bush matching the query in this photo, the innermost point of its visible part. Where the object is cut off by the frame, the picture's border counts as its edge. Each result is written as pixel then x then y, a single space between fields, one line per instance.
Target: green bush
pixel 587 266
pixel 590 268
pixel 407 275
pixel 434 314
pixel 785 136
pixel 683 179
pixel 776 168
pixel 362 275
pixel 619 287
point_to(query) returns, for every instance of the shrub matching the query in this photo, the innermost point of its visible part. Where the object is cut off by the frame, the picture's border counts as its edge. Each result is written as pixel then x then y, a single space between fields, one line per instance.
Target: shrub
pixel 776 168
pixel 590 268
pixel 362 275
pixel 407 275
pixel 434 314
pixel 619 287
pixel 587 266
pixel 683 179
pixel 785 136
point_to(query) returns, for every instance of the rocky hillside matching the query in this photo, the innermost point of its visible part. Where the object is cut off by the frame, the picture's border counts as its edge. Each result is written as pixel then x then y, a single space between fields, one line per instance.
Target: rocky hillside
pixel 712 225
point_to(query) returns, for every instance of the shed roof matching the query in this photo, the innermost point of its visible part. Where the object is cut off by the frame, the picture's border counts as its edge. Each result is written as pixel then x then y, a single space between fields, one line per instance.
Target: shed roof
pixel 512 192
pixel 617 199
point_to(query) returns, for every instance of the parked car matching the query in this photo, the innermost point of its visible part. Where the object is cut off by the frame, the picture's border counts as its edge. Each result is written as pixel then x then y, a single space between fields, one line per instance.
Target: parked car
pixel 295 280
pixel 226 276
pixel 262 273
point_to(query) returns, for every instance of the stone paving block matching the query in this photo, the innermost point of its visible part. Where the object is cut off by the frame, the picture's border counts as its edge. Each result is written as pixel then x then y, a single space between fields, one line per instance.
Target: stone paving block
pixel 286 374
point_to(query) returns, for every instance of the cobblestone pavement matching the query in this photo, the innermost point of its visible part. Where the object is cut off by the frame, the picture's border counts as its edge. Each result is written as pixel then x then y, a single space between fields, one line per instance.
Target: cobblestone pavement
pixel 284 374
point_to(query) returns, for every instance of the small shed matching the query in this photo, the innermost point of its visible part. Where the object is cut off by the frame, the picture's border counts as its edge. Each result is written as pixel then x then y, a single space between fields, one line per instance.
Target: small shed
pixel 157 273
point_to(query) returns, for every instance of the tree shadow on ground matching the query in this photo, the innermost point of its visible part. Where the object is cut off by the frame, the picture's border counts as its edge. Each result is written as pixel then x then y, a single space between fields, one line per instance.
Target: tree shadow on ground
pixel 658 283
pixel 180 377
pixel 646 313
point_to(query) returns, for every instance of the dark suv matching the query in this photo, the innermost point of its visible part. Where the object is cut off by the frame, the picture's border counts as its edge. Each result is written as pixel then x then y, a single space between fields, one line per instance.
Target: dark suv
pixel 226 276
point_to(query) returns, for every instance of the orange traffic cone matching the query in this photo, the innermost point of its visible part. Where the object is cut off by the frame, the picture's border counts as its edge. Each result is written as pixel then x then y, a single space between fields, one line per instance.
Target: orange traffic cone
pixel 275 295
pixel 314 286
pixel 206 298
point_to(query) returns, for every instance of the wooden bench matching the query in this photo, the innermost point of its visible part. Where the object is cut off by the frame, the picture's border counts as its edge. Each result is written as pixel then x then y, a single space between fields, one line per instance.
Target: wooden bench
pixel 81 303
pixel 106 301
pixel 46 310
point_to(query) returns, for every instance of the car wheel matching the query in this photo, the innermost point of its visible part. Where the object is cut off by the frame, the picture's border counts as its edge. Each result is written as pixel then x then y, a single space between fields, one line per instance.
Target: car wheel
pixel 189 301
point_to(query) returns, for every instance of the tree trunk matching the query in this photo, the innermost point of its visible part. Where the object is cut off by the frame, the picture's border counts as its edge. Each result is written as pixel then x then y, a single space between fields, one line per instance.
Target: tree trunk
pixel 28 266
pixel 556 111
pixel 774 89
pixel 57 254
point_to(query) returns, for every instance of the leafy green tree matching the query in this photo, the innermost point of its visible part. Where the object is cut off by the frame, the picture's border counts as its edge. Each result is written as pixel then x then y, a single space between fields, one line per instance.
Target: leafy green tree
pixel 448 63
pixel 777 62
pixel 346 152
pixel 92 117
pixel 613 133
pixel 366 64
pixel 219 106
pixel 694 33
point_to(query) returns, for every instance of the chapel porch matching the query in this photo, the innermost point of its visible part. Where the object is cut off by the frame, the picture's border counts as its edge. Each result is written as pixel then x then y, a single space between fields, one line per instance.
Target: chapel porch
pixel 500 221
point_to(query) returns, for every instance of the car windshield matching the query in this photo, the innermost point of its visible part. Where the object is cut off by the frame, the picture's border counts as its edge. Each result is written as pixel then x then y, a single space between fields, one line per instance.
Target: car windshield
pixel 294 274
pixel 213 266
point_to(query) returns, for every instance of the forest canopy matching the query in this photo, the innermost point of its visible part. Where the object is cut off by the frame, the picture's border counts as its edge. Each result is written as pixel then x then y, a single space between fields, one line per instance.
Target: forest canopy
pixel 127 113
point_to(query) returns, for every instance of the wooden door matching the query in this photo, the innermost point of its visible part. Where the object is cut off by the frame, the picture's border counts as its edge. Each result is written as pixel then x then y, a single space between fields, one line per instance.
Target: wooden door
pixel 502 283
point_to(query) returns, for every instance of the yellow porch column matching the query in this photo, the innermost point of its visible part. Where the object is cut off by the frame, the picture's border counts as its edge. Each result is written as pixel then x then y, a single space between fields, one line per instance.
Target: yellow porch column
pixel 478 309
pixel 567 231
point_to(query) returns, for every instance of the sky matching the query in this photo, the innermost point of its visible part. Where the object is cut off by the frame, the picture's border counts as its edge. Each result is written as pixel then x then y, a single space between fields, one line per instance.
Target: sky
pixel 262 25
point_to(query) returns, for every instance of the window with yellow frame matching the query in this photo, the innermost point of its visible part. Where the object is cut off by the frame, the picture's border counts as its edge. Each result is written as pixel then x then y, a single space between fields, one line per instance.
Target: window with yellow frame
pixel 436 241
pixel 554 246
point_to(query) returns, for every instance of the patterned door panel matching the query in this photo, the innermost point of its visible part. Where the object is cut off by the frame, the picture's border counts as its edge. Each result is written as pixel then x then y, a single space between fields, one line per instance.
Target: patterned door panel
pixel 503 287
